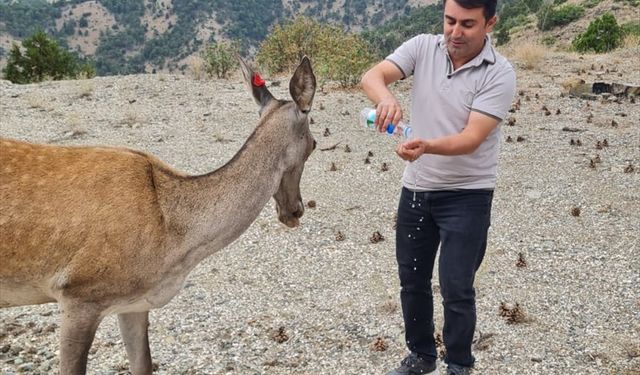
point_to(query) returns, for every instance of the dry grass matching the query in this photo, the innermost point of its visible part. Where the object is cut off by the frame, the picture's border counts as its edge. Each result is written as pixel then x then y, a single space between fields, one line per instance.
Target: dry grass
pixel 529 55
pixel 196 66
pixel 631 41
pixel 37 101
pixel 390 306
pixel 219 137
pixel 85 88
pixel 131 119
pixel 75 123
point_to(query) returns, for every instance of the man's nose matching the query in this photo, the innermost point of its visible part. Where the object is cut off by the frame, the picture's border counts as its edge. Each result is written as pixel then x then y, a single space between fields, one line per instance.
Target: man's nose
pixel 457 31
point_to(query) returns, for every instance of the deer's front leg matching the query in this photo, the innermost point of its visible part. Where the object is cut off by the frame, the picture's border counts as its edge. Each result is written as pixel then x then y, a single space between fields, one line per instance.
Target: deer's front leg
pixel 134 330
pixel 79 325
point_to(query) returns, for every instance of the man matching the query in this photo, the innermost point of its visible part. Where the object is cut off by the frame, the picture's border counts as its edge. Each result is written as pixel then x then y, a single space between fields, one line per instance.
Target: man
pixel 462 91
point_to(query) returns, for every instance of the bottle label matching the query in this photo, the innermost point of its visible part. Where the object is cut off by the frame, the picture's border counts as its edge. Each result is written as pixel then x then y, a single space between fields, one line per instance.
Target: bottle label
pixel 368 117
pixel 371 118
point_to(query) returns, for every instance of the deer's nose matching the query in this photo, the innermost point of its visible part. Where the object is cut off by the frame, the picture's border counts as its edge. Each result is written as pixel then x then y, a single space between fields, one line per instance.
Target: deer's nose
pixel 299 211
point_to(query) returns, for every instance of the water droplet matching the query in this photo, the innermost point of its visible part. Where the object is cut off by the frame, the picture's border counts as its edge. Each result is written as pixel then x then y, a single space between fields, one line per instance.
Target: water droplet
pixel 415 268
pixel 417 228
pixel 415 259
pixel 422 218
pixel 413 205
pixel 409 235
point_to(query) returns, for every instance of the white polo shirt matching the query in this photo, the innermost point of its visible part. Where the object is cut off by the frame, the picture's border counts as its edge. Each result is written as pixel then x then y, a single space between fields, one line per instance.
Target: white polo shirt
pixel 441 102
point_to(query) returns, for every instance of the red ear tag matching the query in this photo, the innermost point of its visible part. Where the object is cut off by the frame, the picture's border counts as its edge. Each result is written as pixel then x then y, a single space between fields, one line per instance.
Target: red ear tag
pixel 257 80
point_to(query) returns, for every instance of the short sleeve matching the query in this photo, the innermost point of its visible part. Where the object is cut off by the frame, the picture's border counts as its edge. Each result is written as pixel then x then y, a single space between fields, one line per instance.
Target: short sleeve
pixel 496 94
pixel 405 56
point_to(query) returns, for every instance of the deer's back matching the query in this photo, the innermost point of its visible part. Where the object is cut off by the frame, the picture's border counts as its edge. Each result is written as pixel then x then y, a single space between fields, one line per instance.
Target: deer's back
pixel 74 219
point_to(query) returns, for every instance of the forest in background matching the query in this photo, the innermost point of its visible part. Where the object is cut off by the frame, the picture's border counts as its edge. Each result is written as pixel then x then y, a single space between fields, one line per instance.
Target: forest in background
pixel 131 44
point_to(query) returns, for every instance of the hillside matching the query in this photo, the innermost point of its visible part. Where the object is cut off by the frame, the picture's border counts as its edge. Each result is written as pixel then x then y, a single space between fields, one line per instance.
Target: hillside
pixel 557 292
pixel 625 12
pixel 134 36
pixel 124 37
pixel 322 299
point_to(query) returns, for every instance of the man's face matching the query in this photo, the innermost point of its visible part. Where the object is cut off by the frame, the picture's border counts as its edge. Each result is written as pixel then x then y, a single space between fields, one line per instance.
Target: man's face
pixel 464 31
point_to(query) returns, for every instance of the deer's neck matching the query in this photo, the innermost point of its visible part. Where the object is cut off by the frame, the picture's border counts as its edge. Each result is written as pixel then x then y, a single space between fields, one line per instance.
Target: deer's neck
pixel 206 213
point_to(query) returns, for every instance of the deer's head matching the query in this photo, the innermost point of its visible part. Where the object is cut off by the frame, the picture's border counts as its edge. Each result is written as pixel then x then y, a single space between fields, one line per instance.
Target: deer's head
pixel 291 119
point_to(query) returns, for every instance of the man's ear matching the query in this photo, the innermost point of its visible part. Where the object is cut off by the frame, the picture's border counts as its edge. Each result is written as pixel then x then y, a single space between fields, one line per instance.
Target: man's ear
pixel 490 24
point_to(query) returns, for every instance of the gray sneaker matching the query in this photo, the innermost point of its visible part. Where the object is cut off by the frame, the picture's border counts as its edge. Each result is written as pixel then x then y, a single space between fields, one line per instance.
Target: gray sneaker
pixel 414 365
pixel 458 370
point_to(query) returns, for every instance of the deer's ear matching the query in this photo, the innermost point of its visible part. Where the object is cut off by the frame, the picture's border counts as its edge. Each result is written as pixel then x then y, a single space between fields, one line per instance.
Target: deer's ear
pixel 256 84
pixel 303 85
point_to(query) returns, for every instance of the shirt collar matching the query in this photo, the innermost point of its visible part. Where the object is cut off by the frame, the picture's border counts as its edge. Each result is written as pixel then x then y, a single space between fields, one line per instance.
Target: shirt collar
pixel 487 54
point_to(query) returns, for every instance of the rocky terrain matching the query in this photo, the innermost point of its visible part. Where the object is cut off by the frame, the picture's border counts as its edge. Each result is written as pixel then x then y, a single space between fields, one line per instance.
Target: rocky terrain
pixel 557 293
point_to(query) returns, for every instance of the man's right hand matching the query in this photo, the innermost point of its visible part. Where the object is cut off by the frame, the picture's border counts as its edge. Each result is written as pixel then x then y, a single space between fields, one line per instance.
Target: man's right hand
pixel 374 83
pixel 388 111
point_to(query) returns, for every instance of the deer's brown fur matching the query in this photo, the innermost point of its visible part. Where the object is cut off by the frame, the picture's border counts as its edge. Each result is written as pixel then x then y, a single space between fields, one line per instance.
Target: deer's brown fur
pixel 110 230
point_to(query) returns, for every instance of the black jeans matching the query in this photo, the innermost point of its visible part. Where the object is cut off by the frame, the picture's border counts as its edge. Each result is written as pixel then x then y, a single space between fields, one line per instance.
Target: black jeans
pixel 458 222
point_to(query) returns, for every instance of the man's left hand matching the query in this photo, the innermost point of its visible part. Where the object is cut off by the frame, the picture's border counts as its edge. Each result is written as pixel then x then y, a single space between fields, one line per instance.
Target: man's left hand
pixel 412 149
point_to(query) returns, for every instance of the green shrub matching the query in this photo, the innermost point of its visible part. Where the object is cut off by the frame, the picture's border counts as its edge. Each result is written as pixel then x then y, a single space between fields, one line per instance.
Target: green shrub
pixel 514 14
pixel 42 59
pixel 550 16
pixel 549 40
pixel 511 10
pixel 602 35
pixel 631 28
pixel 286 44
pixel 510 23
pixel 590 3
pixel 86 71
pixel 344 59
pixel 220 59
pixel 502 36
pixel 634 3
pixel 384 39
pixel 336 55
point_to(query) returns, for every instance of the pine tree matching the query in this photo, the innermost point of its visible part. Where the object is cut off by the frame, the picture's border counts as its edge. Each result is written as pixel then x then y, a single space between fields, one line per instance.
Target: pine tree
pixel 602 35
pixel 42 59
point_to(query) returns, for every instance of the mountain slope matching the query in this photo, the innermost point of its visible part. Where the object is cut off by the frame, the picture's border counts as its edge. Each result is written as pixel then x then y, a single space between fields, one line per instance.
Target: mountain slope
pixel 124 37
pixel 131 36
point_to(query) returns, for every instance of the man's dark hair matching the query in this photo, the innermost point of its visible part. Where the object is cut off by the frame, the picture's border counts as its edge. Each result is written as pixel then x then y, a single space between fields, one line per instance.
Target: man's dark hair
pixel 489 6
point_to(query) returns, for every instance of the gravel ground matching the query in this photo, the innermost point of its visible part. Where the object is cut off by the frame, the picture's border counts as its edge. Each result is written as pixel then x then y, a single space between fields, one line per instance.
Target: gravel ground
pixel 557 294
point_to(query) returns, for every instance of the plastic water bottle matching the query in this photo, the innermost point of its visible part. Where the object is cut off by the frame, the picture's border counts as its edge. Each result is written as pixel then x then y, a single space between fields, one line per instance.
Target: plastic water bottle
pixel 368 118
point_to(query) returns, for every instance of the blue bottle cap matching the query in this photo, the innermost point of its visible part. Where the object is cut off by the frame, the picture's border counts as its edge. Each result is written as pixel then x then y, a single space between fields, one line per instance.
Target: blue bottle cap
pixel 390 128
